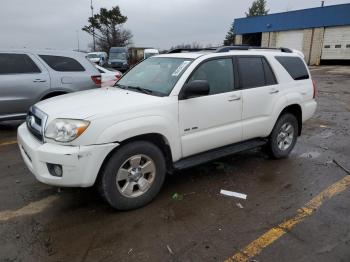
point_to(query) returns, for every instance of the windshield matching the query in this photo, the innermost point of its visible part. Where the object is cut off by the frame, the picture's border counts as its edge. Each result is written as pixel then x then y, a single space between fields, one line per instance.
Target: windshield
pixel 156 74
pixel 120 56
pixel 92 56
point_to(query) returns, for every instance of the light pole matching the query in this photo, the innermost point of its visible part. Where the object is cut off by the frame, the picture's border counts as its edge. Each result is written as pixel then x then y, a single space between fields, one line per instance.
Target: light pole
pixel 78 40
pixel 93 28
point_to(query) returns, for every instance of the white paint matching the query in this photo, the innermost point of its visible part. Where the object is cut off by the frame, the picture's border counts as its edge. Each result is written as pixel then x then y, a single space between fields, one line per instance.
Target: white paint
pixel 233 194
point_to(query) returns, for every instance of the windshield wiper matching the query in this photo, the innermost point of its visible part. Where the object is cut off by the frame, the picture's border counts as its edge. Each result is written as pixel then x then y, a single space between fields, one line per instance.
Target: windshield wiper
pixel 141 89
pixel 137 88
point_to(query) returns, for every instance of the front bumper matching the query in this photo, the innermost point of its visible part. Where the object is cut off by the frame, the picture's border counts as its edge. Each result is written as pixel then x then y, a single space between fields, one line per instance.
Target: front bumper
pixel 80 164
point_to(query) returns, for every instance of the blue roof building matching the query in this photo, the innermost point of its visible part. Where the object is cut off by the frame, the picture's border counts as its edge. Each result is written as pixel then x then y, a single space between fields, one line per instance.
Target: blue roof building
pixel 321 33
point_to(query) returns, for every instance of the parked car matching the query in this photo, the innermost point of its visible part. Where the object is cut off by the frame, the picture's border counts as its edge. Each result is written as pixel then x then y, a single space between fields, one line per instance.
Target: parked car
pixel 169 112
pixel 99 58
pixel 28 76
pixel 109 76
pixel 119 58
pixel 150 52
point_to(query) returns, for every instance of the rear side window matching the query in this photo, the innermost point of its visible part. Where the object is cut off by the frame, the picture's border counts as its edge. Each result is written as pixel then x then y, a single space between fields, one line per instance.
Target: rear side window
pixel 17 64
pixel 62 63
pixel 294 66
pixel 255 72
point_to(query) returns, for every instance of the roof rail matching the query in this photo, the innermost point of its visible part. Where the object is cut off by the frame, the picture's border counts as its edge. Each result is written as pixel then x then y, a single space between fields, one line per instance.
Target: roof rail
pixel 247 47
pixel 223 49
pixel 187 50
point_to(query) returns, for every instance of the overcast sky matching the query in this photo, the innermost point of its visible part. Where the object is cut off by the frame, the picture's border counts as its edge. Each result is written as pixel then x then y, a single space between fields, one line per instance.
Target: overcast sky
pixel 56 24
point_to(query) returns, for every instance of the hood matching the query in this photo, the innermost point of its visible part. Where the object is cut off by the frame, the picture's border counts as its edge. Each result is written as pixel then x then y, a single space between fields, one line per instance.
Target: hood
pixel 90 103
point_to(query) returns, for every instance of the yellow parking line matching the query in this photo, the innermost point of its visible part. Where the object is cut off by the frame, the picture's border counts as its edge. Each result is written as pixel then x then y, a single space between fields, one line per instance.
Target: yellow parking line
pixel 8 143
pixel 255 247
pixel 30 209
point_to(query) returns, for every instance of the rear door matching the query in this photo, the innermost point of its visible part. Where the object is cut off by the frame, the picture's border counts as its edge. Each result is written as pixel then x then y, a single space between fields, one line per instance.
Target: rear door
pixel 69 74
pixel 213 120
pixel 260 93
pixel 23 80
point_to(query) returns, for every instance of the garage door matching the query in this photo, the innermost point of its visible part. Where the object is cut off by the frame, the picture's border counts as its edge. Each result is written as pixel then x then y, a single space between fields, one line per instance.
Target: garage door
pixel 336 43
pixel 291 39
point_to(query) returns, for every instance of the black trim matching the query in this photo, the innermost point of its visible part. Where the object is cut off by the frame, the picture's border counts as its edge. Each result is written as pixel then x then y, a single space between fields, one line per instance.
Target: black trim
pixel 216 153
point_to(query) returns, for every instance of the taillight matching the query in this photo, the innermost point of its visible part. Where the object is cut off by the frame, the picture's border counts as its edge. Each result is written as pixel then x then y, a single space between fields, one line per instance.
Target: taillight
pixel 315 88
pixel 97 80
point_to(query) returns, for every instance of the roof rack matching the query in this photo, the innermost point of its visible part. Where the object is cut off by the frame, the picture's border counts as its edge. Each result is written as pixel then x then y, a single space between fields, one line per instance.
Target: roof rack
pixel 223 49
pixel 188 50
pixel 246 47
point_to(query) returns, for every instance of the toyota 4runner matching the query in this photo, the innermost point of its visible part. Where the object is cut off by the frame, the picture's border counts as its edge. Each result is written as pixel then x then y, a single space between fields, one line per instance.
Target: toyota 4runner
pixel 169 112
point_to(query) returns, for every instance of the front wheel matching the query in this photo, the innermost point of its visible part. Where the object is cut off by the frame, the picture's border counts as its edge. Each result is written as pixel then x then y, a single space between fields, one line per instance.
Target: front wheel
pixel 133 175
pixel 283 137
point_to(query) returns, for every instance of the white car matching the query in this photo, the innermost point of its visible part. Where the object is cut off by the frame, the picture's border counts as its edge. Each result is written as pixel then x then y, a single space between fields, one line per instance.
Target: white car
pixel 108 76
pixel 169 112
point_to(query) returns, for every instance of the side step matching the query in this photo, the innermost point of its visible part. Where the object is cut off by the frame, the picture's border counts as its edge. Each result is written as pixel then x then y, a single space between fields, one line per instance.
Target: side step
pixel 217 153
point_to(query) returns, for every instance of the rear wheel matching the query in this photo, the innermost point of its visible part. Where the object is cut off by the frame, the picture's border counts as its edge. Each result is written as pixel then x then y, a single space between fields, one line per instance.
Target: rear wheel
pixel 283 137
pixel 133 175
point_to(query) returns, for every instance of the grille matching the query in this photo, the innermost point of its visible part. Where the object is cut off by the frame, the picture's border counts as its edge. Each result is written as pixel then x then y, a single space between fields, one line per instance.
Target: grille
pixel 36 121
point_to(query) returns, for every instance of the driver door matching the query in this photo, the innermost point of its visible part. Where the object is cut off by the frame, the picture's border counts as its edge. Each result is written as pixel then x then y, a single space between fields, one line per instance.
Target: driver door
pixel 213 120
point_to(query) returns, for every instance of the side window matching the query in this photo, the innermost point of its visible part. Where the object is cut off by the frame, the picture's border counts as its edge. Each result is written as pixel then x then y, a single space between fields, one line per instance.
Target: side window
pixel 62 63
pixel 219 74
pixel 251 72
pixel 294 66
pixel 270 78
pixel 17 64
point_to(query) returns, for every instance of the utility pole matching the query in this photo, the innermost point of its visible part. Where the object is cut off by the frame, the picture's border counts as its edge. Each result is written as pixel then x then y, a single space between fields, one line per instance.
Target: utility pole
pixel 78 40
pixel 93 28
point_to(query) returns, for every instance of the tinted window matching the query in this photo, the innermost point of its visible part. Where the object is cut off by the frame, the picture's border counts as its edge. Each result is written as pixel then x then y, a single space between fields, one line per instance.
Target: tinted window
pixel 17 64
pixel 251 72
pixel 270 78
pixel 294 66
pixel 62 63
pixel 219 74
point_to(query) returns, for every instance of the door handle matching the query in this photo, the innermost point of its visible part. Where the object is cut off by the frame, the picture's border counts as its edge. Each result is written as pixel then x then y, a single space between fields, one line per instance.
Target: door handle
pixel 274 91
pixel 39 80
pixel 234 98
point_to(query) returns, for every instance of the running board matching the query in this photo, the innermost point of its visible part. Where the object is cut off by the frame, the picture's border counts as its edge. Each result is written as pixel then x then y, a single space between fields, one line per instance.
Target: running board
pixel 217 153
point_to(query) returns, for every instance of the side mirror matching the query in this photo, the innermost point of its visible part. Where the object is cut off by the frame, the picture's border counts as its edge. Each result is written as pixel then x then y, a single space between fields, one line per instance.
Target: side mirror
pixel 196 88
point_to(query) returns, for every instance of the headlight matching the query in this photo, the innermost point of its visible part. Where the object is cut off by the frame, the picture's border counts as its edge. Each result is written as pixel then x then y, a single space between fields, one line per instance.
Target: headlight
pixel 65 130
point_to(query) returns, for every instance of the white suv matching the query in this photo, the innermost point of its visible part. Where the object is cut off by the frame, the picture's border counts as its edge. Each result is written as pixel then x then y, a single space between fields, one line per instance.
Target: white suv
pixel 169 112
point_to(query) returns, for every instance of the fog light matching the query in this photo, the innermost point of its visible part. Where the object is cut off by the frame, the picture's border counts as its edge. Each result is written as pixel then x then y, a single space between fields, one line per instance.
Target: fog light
pixel 55 170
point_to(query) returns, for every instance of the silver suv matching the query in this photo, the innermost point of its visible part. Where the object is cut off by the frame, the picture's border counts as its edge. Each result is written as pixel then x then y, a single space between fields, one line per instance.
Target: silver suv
pixel 28 76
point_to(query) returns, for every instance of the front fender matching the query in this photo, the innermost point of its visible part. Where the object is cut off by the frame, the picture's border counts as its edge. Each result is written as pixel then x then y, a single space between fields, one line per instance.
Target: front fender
pixel 141 126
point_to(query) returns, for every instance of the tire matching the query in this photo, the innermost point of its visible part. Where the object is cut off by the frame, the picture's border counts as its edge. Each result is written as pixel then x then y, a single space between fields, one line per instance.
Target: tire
pixel 138 157
pixel 281 142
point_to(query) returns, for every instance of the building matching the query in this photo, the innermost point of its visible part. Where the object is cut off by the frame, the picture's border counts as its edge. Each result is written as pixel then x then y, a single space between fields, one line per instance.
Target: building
pixel 322 33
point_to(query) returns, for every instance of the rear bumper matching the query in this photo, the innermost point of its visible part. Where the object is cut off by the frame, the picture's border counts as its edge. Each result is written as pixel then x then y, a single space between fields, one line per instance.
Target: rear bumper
pixel 309 109
pixel 80 164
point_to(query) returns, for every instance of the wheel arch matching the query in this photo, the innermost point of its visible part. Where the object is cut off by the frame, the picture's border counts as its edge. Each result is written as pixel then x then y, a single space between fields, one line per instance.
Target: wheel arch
pixel 155 138
pixel 296 110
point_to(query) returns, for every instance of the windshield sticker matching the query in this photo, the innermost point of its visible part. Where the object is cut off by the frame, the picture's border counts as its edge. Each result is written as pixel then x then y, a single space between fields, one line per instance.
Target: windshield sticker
pixel 180 68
